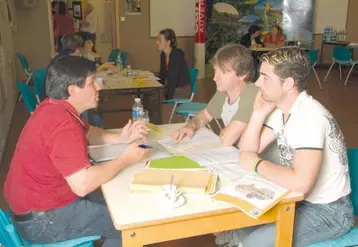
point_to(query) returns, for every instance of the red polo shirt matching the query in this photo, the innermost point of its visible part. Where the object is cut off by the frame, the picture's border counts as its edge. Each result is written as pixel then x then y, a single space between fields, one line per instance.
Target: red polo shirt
pixel 51 147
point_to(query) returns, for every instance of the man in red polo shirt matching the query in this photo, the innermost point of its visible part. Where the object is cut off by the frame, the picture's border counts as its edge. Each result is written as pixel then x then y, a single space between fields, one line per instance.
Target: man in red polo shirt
pixel 50 185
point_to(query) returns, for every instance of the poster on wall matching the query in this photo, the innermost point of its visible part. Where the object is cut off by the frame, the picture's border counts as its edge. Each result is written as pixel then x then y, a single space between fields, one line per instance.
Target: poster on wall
pixel 229 20
pixel 77 10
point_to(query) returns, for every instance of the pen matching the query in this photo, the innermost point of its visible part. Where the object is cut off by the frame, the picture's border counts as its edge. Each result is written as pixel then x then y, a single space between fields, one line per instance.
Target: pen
pixel 145 146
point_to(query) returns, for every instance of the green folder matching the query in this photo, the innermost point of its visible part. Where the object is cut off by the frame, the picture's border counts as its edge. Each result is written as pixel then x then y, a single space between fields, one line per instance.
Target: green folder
pixel 175 162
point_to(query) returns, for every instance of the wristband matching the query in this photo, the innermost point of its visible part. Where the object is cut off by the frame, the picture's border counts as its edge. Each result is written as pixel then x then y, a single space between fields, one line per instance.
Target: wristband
pixel 258 160
pixel 257 166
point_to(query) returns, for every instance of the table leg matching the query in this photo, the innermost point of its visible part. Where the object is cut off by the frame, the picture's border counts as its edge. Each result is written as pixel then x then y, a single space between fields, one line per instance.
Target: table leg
pixel 132 238
pixel 284 225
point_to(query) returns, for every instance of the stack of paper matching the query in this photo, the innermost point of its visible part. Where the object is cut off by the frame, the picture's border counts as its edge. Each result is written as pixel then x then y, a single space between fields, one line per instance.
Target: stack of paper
pixel 188 181
pixel 102 153
pixel 175 162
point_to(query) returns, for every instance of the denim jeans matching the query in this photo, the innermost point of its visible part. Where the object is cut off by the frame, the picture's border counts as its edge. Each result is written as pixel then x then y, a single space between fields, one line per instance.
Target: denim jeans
pixel 313 223
pixel 85 217
pixel 93 117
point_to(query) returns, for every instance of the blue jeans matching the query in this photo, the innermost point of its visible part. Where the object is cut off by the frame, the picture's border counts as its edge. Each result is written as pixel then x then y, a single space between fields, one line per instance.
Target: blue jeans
pixel 85 217
pixel 313 223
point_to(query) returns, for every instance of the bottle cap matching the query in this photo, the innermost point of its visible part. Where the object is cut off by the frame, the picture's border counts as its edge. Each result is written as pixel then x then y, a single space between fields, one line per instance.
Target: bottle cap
pixel 137 100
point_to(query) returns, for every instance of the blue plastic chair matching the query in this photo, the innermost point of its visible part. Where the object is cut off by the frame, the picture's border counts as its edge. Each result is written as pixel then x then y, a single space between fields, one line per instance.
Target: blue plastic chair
pixel 342 56
pixel 193 73
pixel 313 56
pixel 10 238
pixel 25 65
pixel 350 238
pixel 28 95
pixel 113 56
pixel 39 76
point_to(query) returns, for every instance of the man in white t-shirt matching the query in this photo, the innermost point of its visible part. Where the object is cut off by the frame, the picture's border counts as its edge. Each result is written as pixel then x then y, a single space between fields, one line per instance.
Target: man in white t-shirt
pixel 312 151
pixel 90 24
pixel 233 101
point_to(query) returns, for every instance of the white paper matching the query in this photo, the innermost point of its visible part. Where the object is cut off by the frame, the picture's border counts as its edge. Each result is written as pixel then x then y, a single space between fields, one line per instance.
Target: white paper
pixel 215 156
pixel 101 153
pixel 229 171
pixel 201 137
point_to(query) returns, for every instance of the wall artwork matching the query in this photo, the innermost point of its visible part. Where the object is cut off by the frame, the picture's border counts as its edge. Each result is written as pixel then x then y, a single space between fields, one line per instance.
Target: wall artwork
pixel 229 20
pixel 77 10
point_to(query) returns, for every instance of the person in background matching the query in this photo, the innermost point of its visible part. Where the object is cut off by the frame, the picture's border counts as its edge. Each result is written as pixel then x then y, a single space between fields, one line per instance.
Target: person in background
pixel 54 7
pixel 51 186
pixel 174 72
pixel 233 101
pixel 253 38
pixel 275 38
pixel 90 23
pixel 63 23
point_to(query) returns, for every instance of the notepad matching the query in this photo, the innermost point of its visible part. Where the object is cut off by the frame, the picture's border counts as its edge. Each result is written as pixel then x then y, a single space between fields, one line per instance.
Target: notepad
pixel 175 162
pixel 193 182
pixel 102 153
pixel 253 195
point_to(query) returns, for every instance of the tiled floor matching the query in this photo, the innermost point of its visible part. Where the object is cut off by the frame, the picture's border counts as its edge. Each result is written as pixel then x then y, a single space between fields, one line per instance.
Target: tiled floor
pixel 341 101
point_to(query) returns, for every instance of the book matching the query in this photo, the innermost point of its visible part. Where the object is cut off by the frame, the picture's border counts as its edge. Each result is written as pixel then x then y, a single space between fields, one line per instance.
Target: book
pixel 192 182
pixel 252 194
pixel 175 162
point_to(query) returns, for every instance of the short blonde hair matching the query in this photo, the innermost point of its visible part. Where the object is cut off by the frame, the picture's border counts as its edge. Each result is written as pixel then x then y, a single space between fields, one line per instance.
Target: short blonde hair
pixel 290 62
pixel 235 57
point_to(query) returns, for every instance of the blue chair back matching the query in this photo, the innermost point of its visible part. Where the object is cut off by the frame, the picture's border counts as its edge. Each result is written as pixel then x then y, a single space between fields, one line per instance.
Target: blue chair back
pixel 27 94
pixel 313 56
pixel 39 76
pixel 193 73
pixel 340 53
pixel 24 62
pixel 8 234
pixel 353 172
pixel 113 55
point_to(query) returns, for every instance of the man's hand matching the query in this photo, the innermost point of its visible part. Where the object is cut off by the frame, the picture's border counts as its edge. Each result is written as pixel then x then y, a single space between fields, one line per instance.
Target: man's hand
pixel 134 154
pixel 247 159
pixel 132 132
pixel 107 65
pixel 181 133
pixel 262 106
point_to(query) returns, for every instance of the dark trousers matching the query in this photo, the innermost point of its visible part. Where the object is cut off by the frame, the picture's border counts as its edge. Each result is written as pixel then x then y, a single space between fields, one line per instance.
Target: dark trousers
pixel 85 217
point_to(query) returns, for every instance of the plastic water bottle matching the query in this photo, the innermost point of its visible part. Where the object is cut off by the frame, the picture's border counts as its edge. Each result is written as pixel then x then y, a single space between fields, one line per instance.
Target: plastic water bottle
pixel 119 62
pixel 137 109
pixel 129 71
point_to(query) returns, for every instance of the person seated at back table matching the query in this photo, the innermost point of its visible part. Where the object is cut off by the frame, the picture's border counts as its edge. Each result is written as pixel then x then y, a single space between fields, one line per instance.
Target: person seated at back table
pixel 253 38
pixel 233 65
pixel 174 72
pixel 275 38
pixel 51 184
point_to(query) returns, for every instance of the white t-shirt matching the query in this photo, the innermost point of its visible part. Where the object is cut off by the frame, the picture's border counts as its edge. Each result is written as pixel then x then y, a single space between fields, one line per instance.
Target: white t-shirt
pixel 92 20
pixel 311 126
pixel 229 110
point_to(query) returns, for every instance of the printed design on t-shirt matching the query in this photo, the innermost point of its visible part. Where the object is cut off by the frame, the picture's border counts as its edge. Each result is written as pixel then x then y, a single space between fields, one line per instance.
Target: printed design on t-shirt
pixel 286 152
pixel 336 142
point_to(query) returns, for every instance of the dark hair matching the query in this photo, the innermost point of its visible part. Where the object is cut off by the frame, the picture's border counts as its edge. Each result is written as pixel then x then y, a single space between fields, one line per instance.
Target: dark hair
pixel 54 4
pixel 85 36
pixel 235 57
pixel 169 35
pixel 62 9
pixel 70 43
pixel 290 62
pixel 253 29
pixel 66 71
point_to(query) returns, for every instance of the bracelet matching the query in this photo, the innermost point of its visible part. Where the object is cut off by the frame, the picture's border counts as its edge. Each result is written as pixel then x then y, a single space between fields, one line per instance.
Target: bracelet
pixel 257 166
pixel 258 160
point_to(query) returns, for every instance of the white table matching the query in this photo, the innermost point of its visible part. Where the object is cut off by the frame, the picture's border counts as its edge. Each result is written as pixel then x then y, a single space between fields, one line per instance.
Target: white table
pixel 143 220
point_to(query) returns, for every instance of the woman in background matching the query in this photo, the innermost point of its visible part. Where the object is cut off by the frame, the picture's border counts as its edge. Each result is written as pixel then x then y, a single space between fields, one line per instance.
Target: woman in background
pixel 63 23
pixel 253 38
pixel 174 72
pixel 275 38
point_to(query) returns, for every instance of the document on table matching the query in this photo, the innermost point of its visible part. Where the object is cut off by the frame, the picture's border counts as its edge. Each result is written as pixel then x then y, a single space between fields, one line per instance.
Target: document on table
pixel 201 137
pixel 230 171
pixel 102 153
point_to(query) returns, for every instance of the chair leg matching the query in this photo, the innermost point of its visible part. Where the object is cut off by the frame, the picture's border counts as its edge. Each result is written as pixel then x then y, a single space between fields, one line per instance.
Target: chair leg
pixel 172 114
pixel 340 72
pixel 187 118
pixel 318 80
pixel 330 68
pixel 349 74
